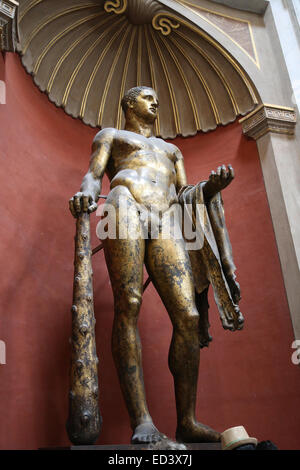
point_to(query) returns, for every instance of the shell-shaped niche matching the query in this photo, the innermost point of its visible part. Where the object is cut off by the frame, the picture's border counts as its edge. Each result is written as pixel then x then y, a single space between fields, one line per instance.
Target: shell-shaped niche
pixel 85 58
pixel 142 11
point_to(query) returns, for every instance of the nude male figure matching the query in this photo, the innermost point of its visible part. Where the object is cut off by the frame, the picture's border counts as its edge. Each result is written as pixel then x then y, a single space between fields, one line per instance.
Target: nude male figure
pixel 147 171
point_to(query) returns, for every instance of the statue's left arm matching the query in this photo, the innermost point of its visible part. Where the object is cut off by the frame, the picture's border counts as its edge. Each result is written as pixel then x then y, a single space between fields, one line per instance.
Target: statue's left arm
pixel 211 190
pixel 216 182
pixel 181 179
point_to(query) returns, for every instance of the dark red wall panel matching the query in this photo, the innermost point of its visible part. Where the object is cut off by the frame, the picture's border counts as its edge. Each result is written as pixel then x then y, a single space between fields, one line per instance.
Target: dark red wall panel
pixel 245 377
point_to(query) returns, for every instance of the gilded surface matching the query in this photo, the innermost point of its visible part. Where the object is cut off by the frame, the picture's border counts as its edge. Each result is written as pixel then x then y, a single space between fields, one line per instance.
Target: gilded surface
pixel 84 420
pixel 148 174
pixel 85 56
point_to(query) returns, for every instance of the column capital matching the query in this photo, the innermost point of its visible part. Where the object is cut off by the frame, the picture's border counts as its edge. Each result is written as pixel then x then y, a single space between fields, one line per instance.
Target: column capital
pixel 8 25
pixel 269 118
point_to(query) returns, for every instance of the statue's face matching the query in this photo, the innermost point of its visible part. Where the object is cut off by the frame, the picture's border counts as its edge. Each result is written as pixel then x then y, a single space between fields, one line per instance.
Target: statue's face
pixel 146 105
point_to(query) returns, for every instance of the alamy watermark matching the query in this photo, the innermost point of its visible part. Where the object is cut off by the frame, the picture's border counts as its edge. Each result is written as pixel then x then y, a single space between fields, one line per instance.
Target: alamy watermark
pixel 2 352
pixel 2 92
pixel 127 220
pixel 296 354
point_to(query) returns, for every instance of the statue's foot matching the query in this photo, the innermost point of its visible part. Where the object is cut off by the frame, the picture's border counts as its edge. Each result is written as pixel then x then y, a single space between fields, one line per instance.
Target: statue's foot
pixel 146 433
pixel 197 432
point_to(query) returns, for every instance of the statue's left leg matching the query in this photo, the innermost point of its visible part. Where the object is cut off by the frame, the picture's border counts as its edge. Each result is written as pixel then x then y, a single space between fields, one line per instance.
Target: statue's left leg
pixel 169 266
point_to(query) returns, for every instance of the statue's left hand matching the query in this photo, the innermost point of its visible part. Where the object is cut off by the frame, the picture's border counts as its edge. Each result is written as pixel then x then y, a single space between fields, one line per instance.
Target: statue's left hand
pixel 218 181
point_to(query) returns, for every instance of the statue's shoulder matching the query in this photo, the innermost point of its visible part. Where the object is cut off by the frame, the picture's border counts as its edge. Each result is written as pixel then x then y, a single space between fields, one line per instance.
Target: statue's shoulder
pixel 169 145
pixel 176 152
pixel 105 135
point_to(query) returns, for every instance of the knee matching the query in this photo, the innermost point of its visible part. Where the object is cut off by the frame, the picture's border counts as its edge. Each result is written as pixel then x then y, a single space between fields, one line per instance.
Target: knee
pixel 133 302
pixel 128 304
pixel 188 325
pixel 124 333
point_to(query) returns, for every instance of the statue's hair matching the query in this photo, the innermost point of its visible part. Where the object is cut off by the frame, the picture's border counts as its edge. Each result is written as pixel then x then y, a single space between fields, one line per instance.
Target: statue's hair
pixel 131 96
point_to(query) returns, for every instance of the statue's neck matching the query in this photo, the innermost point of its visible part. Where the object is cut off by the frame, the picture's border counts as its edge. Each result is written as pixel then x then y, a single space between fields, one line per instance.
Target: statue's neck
pixel 139 127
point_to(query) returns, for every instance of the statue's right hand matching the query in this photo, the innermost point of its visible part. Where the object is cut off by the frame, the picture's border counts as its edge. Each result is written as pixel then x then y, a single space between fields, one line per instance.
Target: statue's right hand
pixel 82 202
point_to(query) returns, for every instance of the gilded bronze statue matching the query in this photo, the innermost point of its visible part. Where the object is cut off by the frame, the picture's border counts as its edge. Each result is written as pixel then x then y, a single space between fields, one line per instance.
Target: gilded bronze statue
pixel 147 172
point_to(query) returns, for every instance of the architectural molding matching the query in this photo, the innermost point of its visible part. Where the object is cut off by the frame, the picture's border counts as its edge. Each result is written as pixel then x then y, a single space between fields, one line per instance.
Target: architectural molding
pixel 269 118
pixel 254 6
pixel 140 12
pixel 237 29
pixel 8 25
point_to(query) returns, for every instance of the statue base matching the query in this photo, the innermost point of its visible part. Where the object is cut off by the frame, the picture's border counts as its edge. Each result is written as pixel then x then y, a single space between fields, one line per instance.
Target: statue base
pixel 197 446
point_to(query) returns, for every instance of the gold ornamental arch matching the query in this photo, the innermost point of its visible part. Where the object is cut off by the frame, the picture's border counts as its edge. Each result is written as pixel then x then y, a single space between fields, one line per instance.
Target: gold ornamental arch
pixel 86 53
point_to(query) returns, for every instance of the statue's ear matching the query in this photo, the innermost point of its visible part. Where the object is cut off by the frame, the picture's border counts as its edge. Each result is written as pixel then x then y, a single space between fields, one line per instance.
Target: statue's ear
pixel 131 104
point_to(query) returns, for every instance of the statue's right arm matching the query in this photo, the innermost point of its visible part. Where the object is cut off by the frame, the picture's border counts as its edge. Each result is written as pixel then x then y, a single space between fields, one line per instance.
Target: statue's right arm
pixel 86 199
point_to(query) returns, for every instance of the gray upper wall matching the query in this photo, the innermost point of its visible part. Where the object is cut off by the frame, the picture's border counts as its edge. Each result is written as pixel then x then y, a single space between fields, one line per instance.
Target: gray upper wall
pixel 255 6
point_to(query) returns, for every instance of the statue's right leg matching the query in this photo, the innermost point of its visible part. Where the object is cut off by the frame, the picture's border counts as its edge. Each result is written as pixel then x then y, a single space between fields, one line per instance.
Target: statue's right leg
pixel 125 260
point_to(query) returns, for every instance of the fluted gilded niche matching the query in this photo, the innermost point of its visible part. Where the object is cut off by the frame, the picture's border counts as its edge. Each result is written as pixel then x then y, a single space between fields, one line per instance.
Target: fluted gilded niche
pixel 86 53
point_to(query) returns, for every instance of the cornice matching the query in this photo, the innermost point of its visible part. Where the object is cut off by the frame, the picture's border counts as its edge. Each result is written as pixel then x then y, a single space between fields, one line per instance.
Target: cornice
pixel 269 118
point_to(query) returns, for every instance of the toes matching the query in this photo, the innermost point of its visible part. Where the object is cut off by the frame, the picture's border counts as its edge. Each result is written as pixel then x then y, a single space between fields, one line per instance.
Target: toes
pixel 145 435
pixel 135 439
pixel 147 438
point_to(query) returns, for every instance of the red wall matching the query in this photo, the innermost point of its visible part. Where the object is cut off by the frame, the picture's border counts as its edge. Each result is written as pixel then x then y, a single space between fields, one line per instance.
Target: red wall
pixel 245 377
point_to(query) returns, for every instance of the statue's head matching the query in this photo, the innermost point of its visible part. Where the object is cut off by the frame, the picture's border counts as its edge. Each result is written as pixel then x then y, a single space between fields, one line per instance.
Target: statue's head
pixel 141 101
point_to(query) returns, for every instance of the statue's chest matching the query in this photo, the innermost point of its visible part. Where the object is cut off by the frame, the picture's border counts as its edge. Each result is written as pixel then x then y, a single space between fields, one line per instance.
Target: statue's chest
pixel 130 143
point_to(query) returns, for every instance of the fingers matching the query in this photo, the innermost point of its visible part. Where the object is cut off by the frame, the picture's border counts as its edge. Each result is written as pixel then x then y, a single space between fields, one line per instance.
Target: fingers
pixel 92 207
pixel 231 171
pixel 81 203
pixel 222 172
pixel 77 202
pixel 86 201
pixel 212 176
pixel 226 175
pixel 72 209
